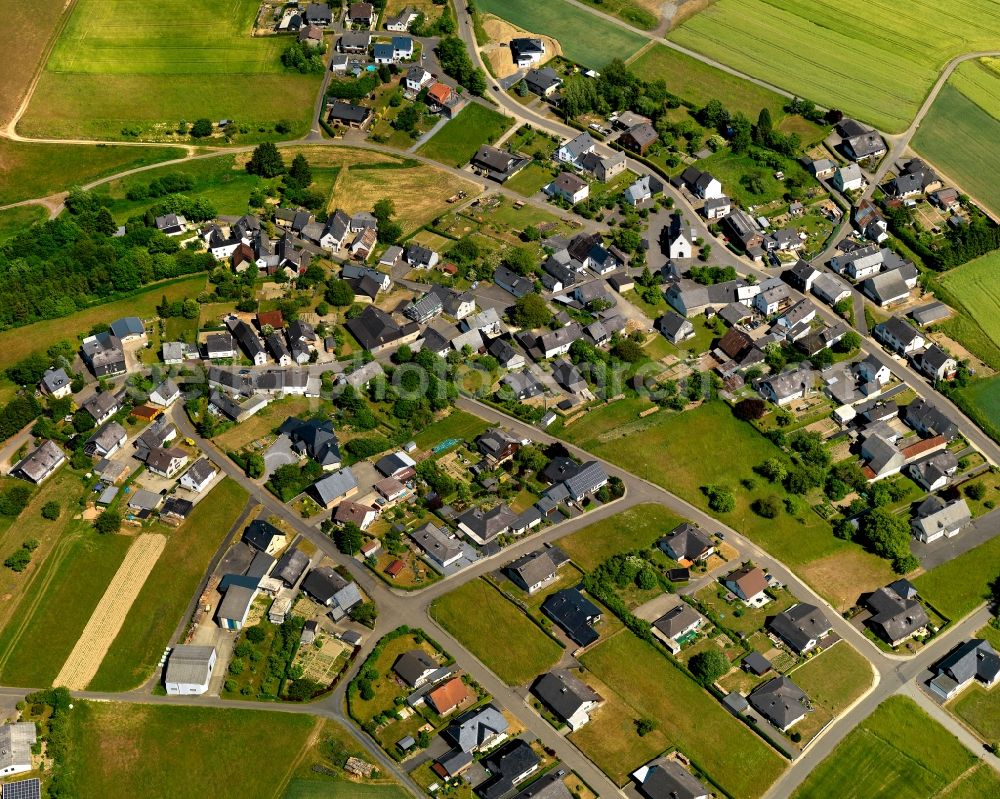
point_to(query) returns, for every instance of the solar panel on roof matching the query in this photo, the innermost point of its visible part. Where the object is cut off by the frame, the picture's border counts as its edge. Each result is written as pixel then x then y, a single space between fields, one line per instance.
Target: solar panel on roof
pixel 22 789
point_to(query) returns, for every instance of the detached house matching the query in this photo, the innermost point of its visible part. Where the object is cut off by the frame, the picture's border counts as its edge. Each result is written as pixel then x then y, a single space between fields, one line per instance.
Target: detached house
pixel 686 543
pixel 703 185
pixel 639 138
pixel 896 612
pixel 859 142
pixel 527 52
pixel 572 151
pixel 973 660
pixel 56 383
pixel 39 464
pixel 536 570
pixel 802 627
pixel 570 187
pixel 362 14
pixel 936 519
pixel 935 363
pixel 543 82
pixel 898 336
pixel 781 702
pixel 569 698
pixel 748 584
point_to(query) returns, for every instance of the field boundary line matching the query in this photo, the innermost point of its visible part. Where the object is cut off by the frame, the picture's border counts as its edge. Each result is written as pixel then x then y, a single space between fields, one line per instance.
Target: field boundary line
pixel 108 617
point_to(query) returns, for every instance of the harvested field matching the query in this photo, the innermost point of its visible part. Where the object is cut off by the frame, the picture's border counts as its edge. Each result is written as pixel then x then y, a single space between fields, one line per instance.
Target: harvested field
pixel 499 58
pixel 35 23
pixel 109 615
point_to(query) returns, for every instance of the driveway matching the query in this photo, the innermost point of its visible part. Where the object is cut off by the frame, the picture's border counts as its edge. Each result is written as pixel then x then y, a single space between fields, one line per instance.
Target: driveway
pixel 941 551
pixel 279 454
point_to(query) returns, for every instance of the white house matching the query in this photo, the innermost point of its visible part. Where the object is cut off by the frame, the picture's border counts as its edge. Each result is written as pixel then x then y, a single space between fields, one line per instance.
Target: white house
pixel 165 394
pixel 189 670
pixel 16 741
pixel 199 476
pixel 849 178
pixel 570 187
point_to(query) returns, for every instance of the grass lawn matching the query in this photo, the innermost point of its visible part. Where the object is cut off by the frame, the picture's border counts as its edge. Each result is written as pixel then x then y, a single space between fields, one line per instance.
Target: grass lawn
pixel 980 709
pixel 689 717
pixel 583 37
pixel 263 423
pixel 58 605
pixel 20 342
pixel 976 287
pixel 959 586
pixel 669 449
pixel 898 752
pixel 459 139
pixel 837 53
pixel 131 750
pixel 115 74
pixel 697 83
pixel 38 170
pixel 457 424
pixel 832 679
pixel 749 619
pixel 310 788
pixel 14 220
pixel 170 586
pixel 960 138
pixel 497 633
pixel 635 528
pixel 731 167
pixel 531 179
pixel 981 400
pixel 980 782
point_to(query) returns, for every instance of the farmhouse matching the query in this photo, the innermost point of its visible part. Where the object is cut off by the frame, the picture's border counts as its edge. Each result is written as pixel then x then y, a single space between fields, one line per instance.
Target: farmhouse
pixel 189 670
pixel 889 287
pixel 973 660
pixel 569 698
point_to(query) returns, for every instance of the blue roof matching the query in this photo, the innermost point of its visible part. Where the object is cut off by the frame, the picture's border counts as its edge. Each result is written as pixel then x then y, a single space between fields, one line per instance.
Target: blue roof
pixel 127 326
pixel 383 51
pixel 402 43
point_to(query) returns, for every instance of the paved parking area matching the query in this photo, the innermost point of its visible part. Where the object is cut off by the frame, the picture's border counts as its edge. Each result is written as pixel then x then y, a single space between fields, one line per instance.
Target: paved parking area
pixel 279 454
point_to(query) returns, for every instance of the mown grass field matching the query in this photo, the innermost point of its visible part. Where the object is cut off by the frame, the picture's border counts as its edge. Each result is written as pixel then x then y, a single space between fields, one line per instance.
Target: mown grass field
pixel 959 586
pixel 132 750
pixel 689 717
pixel 459 139
pixel 984 398
pixel 117 66
pixel 497 633
pixel 876 61
pixel 635 528
pixel 171 585
pixel 959 137
pixel 638 14
pixel 899 752
pixel 832 679
pixel 30 170
pixel 583 37
pixel 35 24
pixel 980 709
pixel 15 220
pixel 457 424
pixel 37 640
pixel 976 286
pixel 22 341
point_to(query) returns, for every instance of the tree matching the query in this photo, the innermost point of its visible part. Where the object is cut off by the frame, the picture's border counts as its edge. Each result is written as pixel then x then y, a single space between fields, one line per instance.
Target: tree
pixel 255 634
pixel 302 689
pixel 975 491
pixel 750 408
pixel 339 293
pixel 18 561
pixel 50 510
pixel 708 666
pixel 644 726
pixel 299 173
pixel 741 133
pixel 767 507
pixel 720 498
pixel 256 466
pixel 519 259
pixel 348 538
pixel 364 613
pixel 266 161
pixel 108 522
pixel 886 534
pixel 850 342
pixel 83 422
pixel 530 311
pixel 646 579
pixel 201 128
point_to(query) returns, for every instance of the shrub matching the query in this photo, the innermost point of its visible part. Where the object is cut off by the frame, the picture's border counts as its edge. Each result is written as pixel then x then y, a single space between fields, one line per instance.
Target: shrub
pixel 767 507
pixel 975 491
pixel 255 634
pixel 50 510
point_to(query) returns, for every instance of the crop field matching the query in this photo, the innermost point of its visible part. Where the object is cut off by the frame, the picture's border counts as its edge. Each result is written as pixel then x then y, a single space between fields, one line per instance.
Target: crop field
pixel 498 633
pixel 635 528
pixel 110 612
pixel 980 81
pixel 976 286
pixel 14 220
pixel 29 170
pixel 960 138
pixel 874 60
pixel 22 341
pixel 984 398
pixel 117 65
pixel 459 139
pixel 159 606
pixel 688 716
pixel 53 613
pixel 583 37
pixel 120 749
pixel 898 752
pixel 35 23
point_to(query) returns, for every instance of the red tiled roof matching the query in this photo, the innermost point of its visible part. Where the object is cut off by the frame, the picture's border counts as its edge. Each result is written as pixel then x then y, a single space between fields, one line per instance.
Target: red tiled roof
pixel 272 318
pixel 923 446
pixel 394 568
pixel 448 696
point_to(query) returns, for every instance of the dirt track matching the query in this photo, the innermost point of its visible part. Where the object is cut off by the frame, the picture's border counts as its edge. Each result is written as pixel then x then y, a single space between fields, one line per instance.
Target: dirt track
pixel 109 615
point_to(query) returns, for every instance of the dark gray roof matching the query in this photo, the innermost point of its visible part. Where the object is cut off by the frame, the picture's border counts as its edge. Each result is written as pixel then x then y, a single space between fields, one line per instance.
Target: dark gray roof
pixel 668 779
pixel 574 613
pixel 894 616
pixel 322 583
pixel 506 766
pixel 801 624
pixel 676 620
pixel 334 485
pixel 564 693
pixel 291 565
pixel 487 524
pixel 259 534
pixel 780 701
pixel 687 541
pixel 975 658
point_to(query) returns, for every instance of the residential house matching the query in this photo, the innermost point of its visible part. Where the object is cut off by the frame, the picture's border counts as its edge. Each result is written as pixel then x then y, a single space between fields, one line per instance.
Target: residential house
pixel 887 288
pixel 928 420
pixel 165 394
pixel 639 138
pixel 569 187
pixel 896 612
pixel 420 257
pixel 935 471
pixel 498 446
pixel 496 164
pixel 686 543
pixel 398 465
pixel 544 82
pixel 674 327
pixel 417 78
pixel 830 289
pixel 935 363
pixel 536 570
pixel 859 142
pixel 189 670
pixel 424 308
pixel 248 340
pixel 974 660
pixel 438 547
pixel 442 99
pixel 869 222
pixel 512 283
pixel 170 224
pixel 641 192
pixel 523 385
pixel 574 614
pixel 314 438
pixel 354 42
pixel 506 355
pixel 446 698
pixel 849 178
pixel 527 52
pixel 666 778
pixel 802 627
pixel 702 184
pixel 572 151
pixel 39 464
pixel 717 208
pixel 348 114
pixel 220 346
pixel 402 48
pixel 199 476
pixel 166 462
pixel 604 167
pixel 56 383
pixel 477 730
pixel 290 567
pixel 104 354
pixel 402 21
pixel 748 584
pixel 936 519
pixel 102 406
pixel 786 387
pixel 327 587
pixel 482 525
pixel 781 702
pixel 557 342
pixel 264 537
pixel 898 336
pixel 332 488
pixel 673 626
pixel 859 263
pixel 310 36
pixel 568 698
pixel 882 457
pixel 106 440
pixel 822 168
pixel 740 227
pixel 801 276
pixel 362 14
pixel 376 330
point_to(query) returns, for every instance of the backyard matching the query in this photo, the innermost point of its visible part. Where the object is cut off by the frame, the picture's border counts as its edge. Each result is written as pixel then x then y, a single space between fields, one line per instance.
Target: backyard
pixel 832 680
pixel 635 528
pixel 960 585
pixel 497 632
pixel 458 140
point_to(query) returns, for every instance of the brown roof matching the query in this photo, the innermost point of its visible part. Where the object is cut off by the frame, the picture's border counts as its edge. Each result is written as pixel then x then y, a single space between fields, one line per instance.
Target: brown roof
pixel 925 445
pixel 145 412
pixel 272 318
pixel 750 580
pixel 395 568
pixel 439 93
pixel 735 343
pixel 448 696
